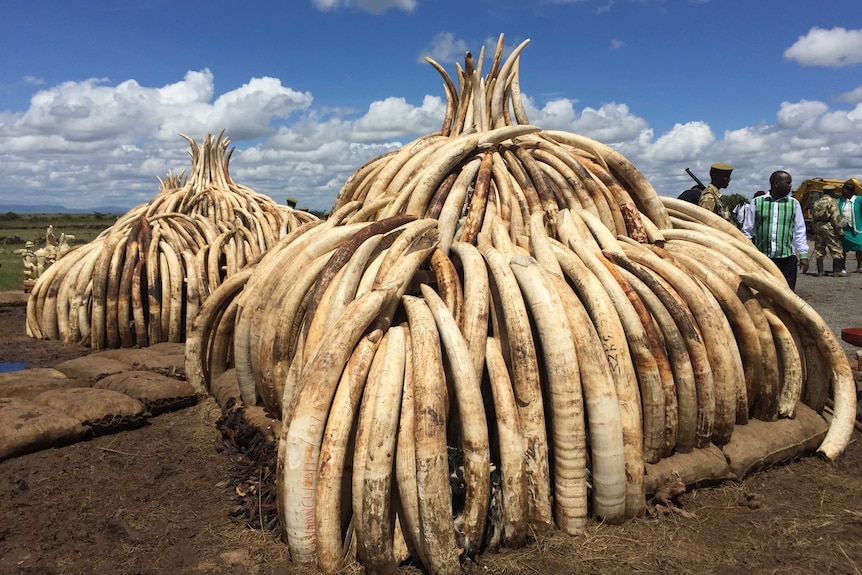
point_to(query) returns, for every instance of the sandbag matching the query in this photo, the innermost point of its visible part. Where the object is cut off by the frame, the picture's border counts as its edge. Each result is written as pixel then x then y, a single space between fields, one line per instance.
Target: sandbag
pixel 26 426
pixel 28 383
pixel 100 410
pixel 91 368
pixel 168 348
pixel 752 447
pixel 165 358
pixel 157 392
pixel 698 468
pixel 759 444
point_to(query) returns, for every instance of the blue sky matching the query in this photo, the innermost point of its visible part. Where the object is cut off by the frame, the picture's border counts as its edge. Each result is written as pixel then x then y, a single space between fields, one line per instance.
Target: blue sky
pixel 94 94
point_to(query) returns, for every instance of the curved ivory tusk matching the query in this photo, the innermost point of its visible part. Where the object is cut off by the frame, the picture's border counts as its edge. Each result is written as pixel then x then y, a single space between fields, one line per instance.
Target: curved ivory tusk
pixel 474 426
pixel 791 364
pixel 843 384
pixel 607 444
pixel 568 430
pixel 304 430
pixel 376 520
pixel 430 409
pixel 713 333
pixel 474 319
pixel 517 341
pixel 511 446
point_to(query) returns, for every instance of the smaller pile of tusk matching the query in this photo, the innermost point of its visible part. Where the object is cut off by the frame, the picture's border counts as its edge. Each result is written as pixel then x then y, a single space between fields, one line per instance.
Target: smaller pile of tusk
pixel 142 280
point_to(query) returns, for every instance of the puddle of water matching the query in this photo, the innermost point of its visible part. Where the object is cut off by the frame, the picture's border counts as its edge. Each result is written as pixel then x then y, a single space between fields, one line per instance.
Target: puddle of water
pixel 7 366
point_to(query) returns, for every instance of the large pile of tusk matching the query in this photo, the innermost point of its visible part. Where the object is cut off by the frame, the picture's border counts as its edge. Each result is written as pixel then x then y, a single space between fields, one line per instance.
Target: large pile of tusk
pixel 493 334
pixel 142 280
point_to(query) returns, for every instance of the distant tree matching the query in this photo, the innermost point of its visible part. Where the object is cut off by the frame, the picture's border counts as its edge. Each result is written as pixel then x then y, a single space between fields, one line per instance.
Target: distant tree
pixel 99 215
pixel 11 216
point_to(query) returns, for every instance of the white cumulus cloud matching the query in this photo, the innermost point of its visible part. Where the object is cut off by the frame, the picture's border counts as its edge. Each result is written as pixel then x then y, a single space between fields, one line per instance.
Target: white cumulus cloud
pixel 445 49
pixel 834 48
pixel 683 143
pixel 853 96
pixel 84 139
pixel 94 143
pixel 394 118
pixel 94 111
pixel 799 114
pixel 370 6
pixel 611 123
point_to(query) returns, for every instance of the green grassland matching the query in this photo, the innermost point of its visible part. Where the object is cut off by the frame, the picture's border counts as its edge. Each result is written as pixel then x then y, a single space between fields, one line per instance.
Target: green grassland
pixel 17 229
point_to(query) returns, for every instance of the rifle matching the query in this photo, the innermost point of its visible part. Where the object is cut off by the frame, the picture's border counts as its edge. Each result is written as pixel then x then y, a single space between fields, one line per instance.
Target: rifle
pixel 693 177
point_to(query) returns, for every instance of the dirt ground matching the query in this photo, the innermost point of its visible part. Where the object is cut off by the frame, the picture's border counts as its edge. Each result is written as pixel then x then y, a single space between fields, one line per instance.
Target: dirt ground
pixel 157 500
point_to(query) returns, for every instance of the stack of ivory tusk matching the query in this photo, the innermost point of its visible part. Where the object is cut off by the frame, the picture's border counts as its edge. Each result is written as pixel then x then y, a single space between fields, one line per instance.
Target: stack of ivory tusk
pixel 142 280
pixel 521 299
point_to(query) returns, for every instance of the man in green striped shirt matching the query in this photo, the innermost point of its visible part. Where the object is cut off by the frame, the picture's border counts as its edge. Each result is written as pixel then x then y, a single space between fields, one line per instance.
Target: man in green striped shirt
pixel 776 226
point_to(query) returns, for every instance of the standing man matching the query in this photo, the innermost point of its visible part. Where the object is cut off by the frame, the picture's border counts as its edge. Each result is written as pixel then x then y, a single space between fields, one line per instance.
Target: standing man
pixel 851 220
pixel 826 221
pixel 776 226
pixel 710 199
pixel 740 209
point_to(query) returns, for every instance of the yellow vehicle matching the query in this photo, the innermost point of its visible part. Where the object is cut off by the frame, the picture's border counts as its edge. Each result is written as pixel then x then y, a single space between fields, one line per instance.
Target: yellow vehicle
pixel 811 190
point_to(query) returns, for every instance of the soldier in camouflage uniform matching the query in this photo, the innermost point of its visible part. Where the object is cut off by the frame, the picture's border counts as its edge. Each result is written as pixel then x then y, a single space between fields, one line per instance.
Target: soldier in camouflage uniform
pixel 826 223
pixel 710 199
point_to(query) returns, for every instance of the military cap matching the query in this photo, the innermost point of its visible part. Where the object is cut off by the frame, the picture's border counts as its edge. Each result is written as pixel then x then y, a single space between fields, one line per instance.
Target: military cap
pixel 721 167
pixel 828 188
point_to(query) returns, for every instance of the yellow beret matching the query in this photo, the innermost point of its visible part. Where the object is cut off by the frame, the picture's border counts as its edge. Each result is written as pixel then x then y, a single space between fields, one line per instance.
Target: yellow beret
pixel 721 167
